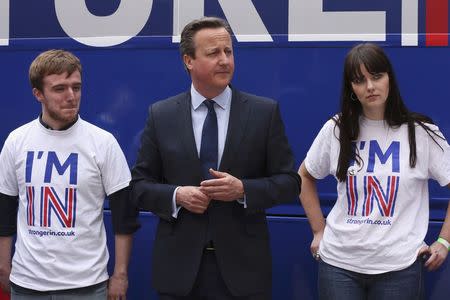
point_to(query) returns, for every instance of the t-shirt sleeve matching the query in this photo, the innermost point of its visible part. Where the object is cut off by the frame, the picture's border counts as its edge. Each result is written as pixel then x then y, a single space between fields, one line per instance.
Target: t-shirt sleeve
pixel 8 178
pixel 439 157
pixel 115 171
pixel 317 160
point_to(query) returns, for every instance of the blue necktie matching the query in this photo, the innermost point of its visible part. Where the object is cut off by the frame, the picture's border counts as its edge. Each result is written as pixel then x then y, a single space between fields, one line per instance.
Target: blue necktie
pixel 209 145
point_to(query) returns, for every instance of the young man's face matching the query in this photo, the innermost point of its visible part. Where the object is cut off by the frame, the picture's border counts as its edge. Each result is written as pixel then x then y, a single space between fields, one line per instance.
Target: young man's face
pixel 60 98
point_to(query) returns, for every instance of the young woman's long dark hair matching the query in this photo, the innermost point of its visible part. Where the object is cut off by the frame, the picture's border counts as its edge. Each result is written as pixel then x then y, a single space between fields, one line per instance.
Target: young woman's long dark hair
pixel 395 114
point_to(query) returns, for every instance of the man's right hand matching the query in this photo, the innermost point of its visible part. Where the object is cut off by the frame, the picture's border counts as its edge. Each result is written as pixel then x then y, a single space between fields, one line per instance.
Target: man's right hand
pixel 4 279
pixel 192 199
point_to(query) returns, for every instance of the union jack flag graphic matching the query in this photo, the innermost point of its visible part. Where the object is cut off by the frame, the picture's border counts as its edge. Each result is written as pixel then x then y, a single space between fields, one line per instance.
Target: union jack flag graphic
pixel 374 193
pixel 352 195
pixel 51 204
pixel 30 205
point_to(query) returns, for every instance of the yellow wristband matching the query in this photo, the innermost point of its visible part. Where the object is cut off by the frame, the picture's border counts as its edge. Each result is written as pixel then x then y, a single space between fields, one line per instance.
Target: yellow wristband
pixel 444 242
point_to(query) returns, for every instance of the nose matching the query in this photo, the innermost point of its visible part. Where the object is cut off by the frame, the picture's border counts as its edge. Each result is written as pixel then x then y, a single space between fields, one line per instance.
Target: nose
pixel 223 59
pixel 370 85
pixel 70 94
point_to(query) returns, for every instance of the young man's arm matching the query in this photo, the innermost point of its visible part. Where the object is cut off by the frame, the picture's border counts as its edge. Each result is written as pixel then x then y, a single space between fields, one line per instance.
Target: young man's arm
pixel 124 218
pixel 5 261
pixel 118 282
pixel 8 228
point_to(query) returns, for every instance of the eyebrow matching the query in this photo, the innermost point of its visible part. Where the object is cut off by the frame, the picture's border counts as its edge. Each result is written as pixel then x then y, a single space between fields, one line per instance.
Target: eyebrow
pixel 65 85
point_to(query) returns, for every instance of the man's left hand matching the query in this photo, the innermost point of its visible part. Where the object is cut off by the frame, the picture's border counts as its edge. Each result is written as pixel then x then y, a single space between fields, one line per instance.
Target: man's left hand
pixel 117 287
pixel 224 187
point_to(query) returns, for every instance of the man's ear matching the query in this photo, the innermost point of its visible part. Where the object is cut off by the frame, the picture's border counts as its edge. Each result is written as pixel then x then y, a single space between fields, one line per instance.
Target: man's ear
pixel 38 94
pixel 187 61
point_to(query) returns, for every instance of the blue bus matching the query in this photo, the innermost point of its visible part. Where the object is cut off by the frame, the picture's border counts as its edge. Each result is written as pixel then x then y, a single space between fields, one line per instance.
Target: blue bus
pixel 289 50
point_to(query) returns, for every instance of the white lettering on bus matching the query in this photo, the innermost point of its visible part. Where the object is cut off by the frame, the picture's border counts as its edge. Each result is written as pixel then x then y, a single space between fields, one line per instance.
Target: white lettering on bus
pixel 103 31
pixel 410 22
pixel 4 22
pixel 242 15
pixel 306 21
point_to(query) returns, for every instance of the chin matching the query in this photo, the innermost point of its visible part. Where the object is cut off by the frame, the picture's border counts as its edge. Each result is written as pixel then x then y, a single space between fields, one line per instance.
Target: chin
pixel 224 83
pixel 69 119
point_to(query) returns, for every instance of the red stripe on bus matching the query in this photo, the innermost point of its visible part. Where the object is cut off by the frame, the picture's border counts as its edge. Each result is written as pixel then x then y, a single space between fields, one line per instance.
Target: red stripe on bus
pixel 436 26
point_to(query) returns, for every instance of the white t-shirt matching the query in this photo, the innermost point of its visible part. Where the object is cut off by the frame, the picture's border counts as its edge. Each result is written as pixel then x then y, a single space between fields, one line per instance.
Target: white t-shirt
pixel 380 218
pixel 61 178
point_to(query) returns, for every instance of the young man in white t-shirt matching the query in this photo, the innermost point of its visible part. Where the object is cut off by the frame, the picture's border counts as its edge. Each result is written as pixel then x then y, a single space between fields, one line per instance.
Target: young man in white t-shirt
pixel 55 173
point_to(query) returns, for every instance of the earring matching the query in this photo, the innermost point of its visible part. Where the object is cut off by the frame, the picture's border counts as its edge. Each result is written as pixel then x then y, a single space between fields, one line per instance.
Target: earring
pixel 353 97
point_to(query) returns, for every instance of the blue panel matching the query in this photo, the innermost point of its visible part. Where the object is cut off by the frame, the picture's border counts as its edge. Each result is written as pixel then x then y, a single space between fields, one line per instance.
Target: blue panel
pixel 102 8
pixel 139 271
pixel 24 15
pixel 436 282
pixel 294 270
pixel 119 85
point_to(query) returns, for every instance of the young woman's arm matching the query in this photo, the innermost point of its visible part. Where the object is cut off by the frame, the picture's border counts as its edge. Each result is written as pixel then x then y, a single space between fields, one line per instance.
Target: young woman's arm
pixel 437 251
pixel 311 204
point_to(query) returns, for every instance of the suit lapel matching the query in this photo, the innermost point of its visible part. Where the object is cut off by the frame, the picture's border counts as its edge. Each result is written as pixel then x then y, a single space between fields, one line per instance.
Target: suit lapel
pixel 237 124
pixel 186 131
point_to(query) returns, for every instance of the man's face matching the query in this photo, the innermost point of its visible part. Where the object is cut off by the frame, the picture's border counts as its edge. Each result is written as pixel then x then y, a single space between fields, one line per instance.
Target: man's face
pixel 212 68
pixel 60 98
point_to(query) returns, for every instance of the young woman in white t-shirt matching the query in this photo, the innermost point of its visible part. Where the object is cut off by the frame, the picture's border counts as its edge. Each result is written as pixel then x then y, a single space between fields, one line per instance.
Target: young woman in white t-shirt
pixel 382 155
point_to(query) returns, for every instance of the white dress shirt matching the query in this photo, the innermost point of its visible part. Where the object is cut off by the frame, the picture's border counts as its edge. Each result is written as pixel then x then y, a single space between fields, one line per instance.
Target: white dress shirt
pixel 198 113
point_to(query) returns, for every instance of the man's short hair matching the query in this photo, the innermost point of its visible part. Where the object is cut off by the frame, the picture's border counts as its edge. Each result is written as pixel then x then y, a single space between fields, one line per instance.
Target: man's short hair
pixel 187 35
pixel 52 62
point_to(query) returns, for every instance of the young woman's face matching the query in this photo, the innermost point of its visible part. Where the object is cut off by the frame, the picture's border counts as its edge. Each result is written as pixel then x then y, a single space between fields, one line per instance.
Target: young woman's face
pixel 372 91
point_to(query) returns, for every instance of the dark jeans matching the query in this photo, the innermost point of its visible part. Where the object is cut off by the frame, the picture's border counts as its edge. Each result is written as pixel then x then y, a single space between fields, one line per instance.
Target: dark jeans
pixel 337 284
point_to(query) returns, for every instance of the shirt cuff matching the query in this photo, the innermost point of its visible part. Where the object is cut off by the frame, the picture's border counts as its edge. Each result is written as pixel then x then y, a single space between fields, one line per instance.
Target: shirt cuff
pixel 243 201
pixel 175 208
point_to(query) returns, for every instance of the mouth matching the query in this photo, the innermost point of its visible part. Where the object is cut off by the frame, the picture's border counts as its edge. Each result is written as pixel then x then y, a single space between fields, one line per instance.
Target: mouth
pixel 70 109
pixel 372 97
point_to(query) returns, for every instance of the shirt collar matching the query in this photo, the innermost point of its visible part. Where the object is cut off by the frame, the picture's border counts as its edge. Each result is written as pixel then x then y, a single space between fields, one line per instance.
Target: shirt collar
pixel 223 100
pixel 50 128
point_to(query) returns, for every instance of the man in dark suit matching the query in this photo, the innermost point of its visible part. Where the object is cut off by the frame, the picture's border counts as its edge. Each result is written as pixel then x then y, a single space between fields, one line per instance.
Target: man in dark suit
pixel 211 161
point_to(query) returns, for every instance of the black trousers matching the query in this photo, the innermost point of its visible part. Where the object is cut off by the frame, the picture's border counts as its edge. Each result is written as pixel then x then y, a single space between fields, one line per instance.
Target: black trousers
pixel 209 284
